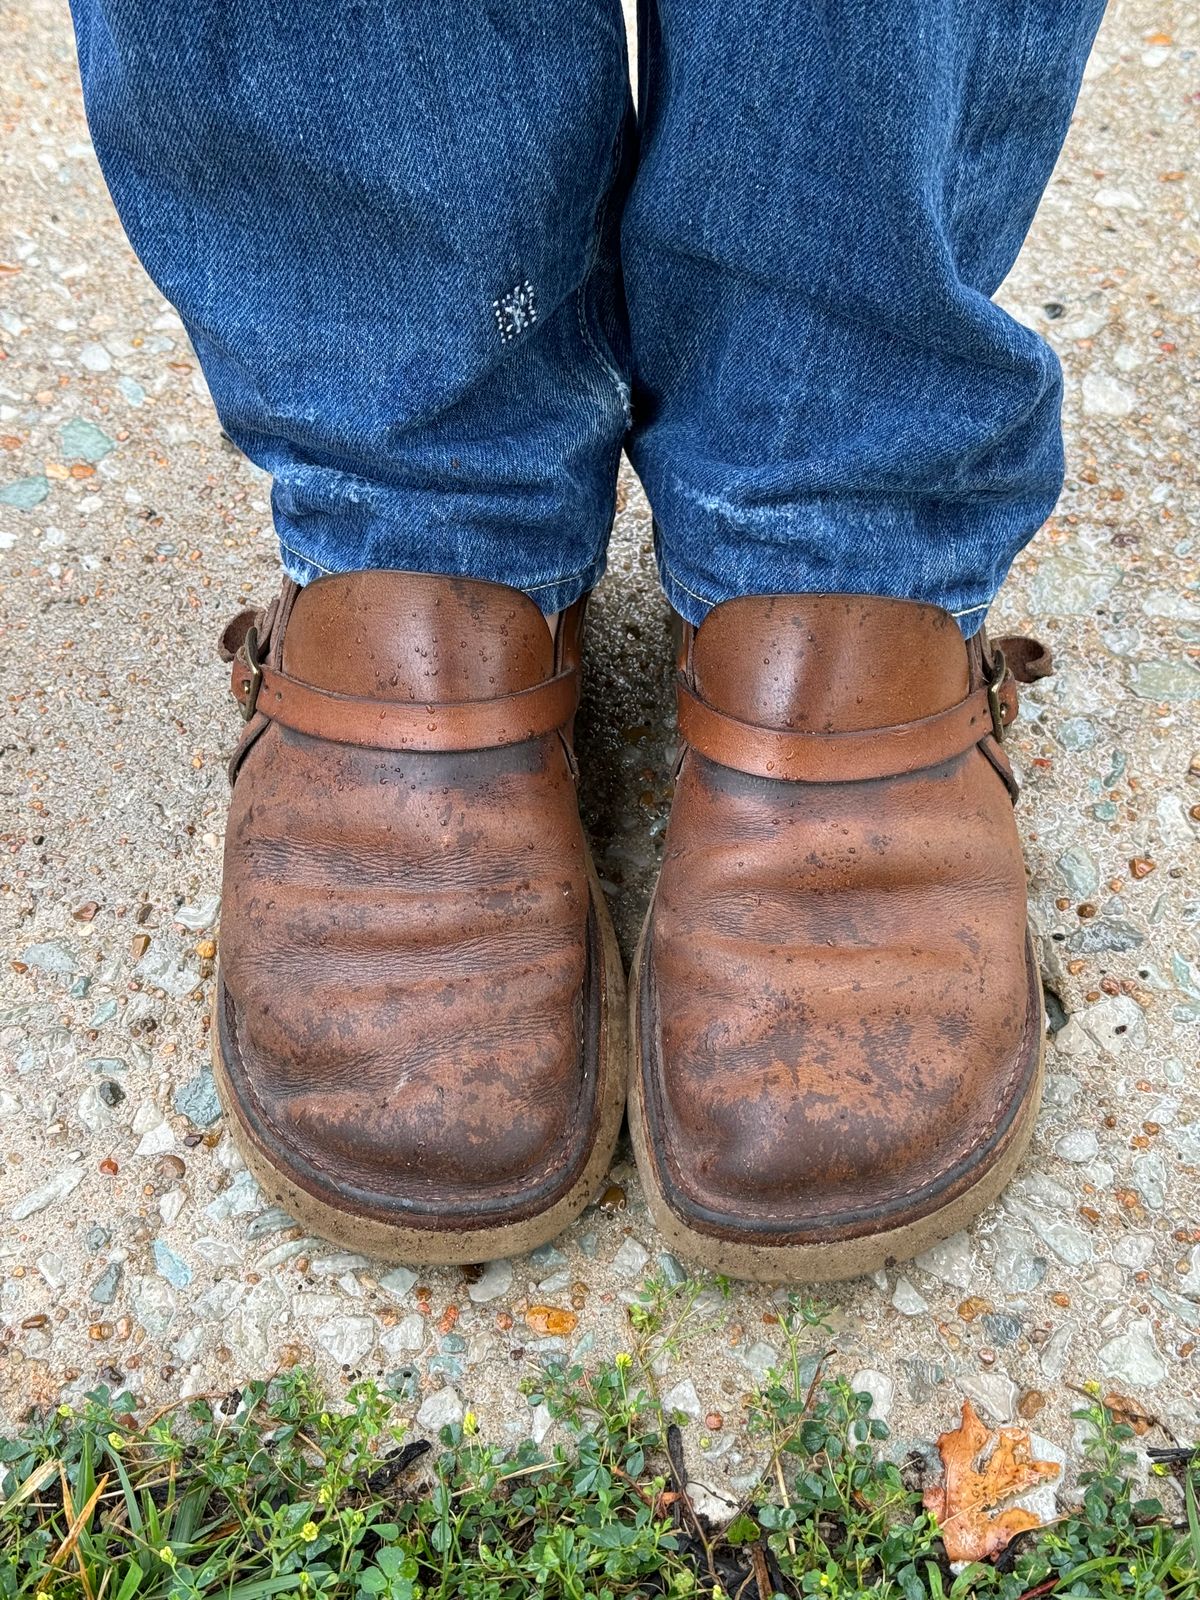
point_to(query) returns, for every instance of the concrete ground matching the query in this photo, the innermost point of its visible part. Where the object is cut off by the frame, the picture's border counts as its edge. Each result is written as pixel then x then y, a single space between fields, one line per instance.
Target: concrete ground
pixel 134 1248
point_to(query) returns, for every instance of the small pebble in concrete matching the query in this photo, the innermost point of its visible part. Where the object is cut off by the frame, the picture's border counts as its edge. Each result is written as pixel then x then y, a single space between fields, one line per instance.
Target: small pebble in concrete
pixel 84 441
pixel 759 1358
pixel 348 1340
pixel 683 1397
pixel 992 1394
pixel 55 1188
pixel 496 1280
pixel 238 1200
pixel 906 1299
pixel 442 1409
pixel 175 1270
pixel 1001 1327
pixel 1133 1357
pixel 399 1281
pixel 410 1333
pixel 197 1099
pixel 672 1271
pixel 880 1387
pixel 1077 1144
pixel 630 1259
pixel 1056 1351
pixel 104 1290
pixel 1079 871
pixel 951 1261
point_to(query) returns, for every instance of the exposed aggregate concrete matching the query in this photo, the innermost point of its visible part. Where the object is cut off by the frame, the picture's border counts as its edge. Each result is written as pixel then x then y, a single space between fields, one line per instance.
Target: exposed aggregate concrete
pixel 134 1248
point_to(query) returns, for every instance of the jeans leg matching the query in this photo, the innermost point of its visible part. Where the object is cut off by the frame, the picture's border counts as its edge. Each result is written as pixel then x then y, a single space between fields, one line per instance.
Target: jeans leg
pixel 829 192
pixel 390 231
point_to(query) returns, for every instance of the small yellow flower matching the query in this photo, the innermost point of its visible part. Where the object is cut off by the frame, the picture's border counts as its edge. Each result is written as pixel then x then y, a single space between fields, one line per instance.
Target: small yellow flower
pixel 624 1360
pixel 309 1532
pixel 324 1495
pixel 115 1442
pixel 167 1556
pixel 470 1424
pixel 64 1410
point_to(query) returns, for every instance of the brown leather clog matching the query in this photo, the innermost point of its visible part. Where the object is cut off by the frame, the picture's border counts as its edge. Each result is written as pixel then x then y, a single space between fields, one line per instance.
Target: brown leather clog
pixel 419 1030
pixel 837 1016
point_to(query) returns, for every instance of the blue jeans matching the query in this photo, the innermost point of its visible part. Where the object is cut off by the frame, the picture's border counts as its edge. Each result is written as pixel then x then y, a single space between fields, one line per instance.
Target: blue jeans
pixel 437 274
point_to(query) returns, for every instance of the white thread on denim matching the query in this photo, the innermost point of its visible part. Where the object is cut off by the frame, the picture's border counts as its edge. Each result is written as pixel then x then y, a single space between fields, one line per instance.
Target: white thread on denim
pixel 589 572
pixel 516 311
pixel 673 577
pixel 326 572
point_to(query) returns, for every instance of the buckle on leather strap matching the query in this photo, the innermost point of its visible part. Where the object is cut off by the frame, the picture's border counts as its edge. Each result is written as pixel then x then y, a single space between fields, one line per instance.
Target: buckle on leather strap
pixel 995 684
pixel 252 684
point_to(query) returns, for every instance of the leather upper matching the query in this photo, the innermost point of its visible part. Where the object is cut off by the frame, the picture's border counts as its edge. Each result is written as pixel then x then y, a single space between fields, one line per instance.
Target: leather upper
pixel 407 1001
pixel 838 999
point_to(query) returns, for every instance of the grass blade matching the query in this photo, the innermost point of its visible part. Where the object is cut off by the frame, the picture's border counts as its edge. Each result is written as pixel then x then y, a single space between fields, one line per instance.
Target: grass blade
pixel 31 1485
pixel 78 1522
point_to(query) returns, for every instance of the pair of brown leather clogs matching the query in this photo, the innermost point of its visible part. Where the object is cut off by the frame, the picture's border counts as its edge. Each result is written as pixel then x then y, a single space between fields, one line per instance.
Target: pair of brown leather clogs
pixel 421 1032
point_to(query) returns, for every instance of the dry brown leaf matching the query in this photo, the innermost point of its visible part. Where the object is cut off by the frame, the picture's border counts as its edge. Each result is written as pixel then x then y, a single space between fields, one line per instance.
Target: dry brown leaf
pixel 1126 1410
pixel 550 1320
pixel 965 1503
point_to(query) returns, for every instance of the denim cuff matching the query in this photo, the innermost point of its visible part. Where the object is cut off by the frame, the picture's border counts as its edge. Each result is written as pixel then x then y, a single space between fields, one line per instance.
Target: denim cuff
pixel 550 595
pixel 692 595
